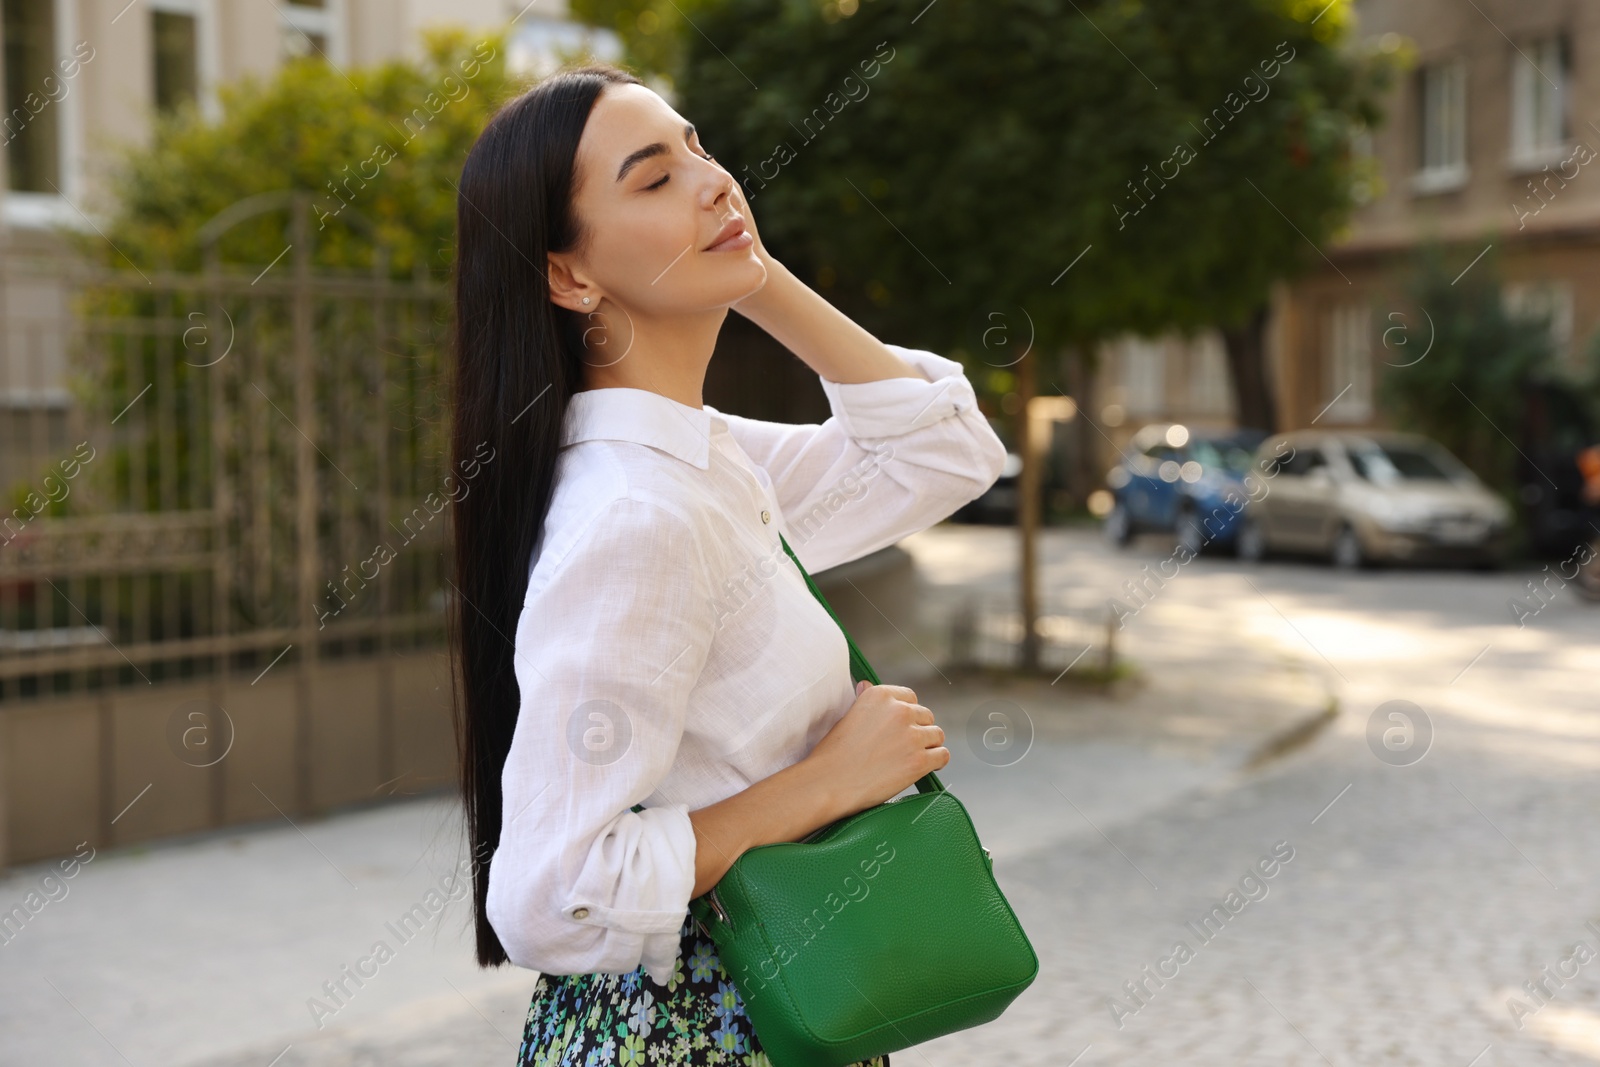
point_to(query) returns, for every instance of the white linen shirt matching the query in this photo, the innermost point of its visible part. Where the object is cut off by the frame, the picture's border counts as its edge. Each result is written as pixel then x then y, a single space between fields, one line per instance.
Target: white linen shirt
pixel 669 653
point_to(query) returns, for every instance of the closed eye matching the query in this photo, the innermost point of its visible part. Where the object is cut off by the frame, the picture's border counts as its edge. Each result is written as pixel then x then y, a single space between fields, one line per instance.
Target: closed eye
pixel 663 179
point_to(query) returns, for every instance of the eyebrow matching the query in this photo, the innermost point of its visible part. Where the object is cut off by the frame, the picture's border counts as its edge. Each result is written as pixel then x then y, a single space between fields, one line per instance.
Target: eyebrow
pixel 650 150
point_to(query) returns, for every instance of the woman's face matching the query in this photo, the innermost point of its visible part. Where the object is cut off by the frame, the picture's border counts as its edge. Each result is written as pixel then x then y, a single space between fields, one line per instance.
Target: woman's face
pixel 653 205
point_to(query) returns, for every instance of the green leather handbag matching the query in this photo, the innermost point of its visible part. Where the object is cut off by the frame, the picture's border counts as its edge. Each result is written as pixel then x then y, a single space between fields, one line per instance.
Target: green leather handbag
pixel 879 931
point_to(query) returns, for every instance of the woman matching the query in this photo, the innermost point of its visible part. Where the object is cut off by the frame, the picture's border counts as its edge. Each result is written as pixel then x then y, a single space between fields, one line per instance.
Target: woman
pixel 627 629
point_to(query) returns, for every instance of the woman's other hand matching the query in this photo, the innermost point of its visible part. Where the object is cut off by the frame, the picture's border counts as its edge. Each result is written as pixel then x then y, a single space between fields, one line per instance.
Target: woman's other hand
pixel 885 742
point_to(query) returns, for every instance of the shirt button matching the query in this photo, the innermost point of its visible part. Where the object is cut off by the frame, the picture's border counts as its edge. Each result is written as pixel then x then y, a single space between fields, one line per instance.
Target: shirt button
pixel 580 913
pixel 766 516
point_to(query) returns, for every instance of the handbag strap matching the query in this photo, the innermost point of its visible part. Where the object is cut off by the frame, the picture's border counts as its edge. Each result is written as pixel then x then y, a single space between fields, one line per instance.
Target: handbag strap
pixel 860 669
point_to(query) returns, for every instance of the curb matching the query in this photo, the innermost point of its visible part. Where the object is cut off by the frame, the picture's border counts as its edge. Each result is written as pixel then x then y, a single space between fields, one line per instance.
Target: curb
pixel 1295 736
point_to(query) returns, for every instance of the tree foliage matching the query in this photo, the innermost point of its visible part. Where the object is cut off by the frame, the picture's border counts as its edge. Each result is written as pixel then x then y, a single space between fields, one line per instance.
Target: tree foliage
pixel 1469 390
pixel 379 151
pixel 386 142
pixel 653 32
pixel 996 141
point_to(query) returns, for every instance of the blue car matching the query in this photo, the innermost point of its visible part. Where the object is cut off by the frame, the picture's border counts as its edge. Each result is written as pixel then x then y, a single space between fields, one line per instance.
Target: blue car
pixel 1172 480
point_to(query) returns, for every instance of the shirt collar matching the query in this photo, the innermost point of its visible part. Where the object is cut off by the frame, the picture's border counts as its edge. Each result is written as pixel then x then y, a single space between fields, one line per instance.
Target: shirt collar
pixel 620 413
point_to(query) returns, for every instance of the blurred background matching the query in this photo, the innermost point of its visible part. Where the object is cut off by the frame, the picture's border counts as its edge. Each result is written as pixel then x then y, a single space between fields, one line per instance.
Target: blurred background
pixel 1287 311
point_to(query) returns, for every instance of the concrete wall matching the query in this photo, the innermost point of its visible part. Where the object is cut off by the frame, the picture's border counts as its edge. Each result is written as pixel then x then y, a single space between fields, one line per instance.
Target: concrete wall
pixel 104 770
pixel 77 769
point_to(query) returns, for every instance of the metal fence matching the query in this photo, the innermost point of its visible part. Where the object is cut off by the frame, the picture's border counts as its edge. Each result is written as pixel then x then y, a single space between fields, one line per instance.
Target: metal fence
pixel 245 493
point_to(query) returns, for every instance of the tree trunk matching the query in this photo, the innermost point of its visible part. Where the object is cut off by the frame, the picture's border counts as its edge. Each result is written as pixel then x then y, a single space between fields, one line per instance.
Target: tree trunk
pixel 1084 468
pixel 1028 513
pixel 1247 370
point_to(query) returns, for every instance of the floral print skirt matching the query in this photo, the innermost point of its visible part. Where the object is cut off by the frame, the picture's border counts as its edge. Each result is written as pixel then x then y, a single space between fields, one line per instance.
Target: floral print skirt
pixel 629 1020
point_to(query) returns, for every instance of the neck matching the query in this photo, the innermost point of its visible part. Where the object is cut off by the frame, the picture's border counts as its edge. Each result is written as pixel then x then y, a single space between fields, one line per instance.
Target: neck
pixel 662 355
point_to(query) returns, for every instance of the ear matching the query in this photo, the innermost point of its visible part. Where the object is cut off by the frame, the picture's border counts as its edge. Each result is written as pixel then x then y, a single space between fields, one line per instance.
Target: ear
pixel 567 289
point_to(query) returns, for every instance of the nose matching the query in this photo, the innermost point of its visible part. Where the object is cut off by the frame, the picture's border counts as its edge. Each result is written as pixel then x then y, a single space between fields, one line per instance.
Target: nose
pixel 719 187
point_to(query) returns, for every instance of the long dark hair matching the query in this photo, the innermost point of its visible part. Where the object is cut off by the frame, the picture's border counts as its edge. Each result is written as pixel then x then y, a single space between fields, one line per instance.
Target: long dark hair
pixel 517 365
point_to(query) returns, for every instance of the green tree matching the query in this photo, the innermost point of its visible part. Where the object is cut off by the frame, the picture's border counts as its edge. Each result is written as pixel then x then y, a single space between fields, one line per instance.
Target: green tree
pixel 1586 377
pixel 653 32
pixel 1068 171
pixel 1468 392
pixel 1197 151
pixel 386 142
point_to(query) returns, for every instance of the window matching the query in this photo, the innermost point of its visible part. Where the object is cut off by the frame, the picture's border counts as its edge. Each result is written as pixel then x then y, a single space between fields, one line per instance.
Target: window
pixel 183 54
pixel 1208 376
pixel 1303 462
pixel 1348 382
pixel 309 28
pixel 1443 147
pixel 1550 301
pixel 32 122
pixel 1538 103
pixel 1391 464
pixel 1144 375
pixel 176 60
pixel 1366 173
pixel 1222 455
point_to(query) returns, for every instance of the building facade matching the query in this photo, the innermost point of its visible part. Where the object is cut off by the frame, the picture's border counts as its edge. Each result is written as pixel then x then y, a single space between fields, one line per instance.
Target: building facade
pixel 1486 147
pixel 84 75
pixel 1164 379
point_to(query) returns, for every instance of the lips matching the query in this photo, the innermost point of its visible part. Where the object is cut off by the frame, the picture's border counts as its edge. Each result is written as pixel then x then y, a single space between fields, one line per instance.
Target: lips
pixel 734 228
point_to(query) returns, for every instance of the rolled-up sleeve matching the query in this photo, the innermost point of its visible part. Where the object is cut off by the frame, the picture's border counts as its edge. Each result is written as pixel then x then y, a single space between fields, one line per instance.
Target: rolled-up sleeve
pixel 894 457
pixel 608 649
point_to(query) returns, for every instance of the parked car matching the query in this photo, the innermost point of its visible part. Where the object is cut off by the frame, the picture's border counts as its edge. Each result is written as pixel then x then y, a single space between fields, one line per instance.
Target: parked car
pixel 1556 427
pixel 1362 497
pixel 1173 480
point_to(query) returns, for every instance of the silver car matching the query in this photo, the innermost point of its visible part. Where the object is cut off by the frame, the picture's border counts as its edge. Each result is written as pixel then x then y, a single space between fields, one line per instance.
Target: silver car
pixel 1359 497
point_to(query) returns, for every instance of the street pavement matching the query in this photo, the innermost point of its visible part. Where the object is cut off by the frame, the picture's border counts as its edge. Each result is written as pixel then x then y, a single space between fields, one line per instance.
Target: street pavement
pixel 1428 881
pixel 1414 886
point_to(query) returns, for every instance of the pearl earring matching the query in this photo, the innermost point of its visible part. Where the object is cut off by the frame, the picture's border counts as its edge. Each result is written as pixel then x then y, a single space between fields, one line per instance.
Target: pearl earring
pixel 585 300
